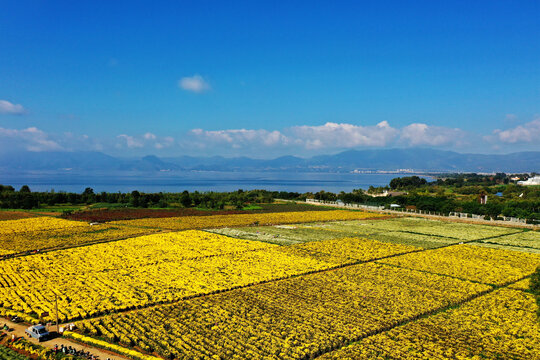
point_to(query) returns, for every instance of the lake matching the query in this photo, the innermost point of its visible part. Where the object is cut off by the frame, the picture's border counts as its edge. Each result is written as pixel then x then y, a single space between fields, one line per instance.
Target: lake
pixel 196 180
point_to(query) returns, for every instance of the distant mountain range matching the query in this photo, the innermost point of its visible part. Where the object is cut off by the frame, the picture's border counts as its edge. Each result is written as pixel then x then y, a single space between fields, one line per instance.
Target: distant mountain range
pixel 420 160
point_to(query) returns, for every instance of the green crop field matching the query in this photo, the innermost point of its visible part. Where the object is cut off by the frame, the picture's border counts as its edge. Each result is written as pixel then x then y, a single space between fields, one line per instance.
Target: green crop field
pixel 417 232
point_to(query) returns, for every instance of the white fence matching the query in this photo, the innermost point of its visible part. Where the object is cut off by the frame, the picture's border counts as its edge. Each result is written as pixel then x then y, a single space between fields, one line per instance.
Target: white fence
pixel 458 215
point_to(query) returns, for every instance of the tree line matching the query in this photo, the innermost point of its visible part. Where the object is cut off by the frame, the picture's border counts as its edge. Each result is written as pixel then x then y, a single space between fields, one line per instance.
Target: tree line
pixel 453 193
pixel 26 199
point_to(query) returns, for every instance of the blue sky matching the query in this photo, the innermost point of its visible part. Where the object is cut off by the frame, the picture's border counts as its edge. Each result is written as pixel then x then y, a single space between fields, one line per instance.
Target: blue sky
pixel 269 78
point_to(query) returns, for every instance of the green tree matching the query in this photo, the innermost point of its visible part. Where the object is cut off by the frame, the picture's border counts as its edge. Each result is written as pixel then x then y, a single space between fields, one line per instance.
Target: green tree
pixel 185 199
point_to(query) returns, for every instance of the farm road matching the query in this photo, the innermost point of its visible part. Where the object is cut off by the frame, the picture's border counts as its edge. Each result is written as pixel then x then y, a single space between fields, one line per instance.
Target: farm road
pixel 18 330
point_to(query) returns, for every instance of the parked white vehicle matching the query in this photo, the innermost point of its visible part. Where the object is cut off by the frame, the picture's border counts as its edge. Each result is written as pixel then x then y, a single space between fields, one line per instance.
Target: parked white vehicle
pixel 38 332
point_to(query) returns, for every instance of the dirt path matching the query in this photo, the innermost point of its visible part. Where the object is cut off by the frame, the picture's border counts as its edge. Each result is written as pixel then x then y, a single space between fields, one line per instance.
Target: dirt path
pixel 18 330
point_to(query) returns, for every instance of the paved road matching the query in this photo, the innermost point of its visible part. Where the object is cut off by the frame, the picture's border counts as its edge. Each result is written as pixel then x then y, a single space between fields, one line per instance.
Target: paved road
pixel 18 330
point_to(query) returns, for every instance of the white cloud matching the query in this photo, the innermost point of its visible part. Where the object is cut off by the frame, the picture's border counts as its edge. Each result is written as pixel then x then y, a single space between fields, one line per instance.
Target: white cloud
pixel 9 108
pixel 31 139
pixel 318 139
pixel 238 138
pixel 333 135
pixel 526 133
pixel 194 83
pixel 297 140
pixel 149 136
pixel 145 141
pixel 129 141
pixel 422 134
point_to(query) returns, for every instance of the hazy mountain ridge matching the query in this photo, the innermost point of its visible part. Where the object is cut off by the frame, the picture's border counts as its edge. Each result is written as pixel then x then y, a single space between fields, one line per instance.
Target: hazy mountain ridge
pixel 362 160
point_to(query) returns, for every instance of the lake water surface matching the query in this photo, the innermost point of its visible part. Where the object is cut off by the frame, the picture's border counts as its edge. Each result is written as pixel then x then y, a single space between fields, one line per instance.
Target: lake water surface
pixel 199 180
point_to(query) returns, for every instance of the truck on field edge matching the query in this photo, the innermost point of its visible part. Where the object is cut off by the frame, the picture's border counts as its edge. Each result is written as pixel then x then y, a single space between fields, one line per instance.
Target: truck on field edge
pixel 38 332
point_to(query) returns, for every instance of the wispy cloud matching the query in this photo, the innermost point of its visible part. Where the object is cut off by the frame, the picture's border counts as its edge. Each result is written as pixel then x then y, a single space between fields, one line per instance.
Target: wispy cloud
pixel 195 83
pixel 7 107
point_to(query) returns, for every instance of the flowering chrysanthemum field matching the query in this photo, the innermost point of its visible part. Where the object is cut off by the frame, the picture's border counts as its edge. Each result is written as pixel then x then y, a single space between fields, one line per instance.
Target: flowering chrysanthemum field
pixel 289 285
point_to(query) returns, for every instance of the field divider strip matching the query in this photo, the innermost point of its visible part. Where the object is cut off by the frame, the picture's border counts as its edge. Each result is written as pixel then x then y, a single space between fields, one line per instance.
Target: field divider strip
pixel 502 235
pixel 508 245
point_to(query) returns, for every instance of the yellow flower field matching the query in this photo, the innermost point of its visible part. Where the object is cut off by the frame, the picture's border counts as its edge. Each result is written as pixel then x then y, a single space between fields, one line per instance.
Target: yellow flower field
pixel 53 238
pixel 289 319
pixel 142 271
pixel 132 354
pixel 355 249
pixel 486 265
pixel 213 221
pixel 10 227
pixel 200 295
pixel 524 284
pixel 500 325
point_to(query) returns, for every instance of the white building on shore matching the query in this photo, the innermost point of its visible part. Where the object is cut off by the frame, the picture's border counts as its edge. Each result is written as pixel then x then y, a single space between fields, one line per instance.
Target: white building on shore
pixel 530 181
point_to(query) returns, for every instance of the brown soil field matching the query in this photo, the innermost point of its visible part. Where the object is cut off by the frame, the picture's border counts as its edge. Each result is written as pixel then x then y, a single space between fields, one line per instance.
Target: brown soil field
pixel 104 215
pixel 14 215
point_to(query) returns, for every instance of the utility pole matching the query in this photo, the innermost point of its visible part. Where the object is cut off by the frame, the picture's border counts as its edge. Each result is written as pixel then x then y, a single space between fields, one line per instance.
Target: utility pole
pixel 56 301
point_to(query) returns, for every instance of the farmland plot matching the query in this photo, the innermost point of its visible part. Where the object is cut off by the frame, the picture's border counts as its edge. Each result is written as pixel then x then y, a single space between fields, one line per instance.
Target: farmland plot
pixel 396 230
pixel 143 271
pixel 355 249
pixel 204 222
pixel 500 325
pixel 264 301
pixel 23 241
pixel 445 229
pixel 521 241
pixel 279 234
pixel 474 263
pixel 289 319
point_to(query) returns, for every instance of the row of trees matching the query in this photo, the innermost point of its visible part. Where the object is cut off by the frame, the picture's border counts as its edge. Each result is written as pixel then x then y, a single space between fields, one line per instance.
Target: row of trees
pixel 25 199
pixel 451 195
